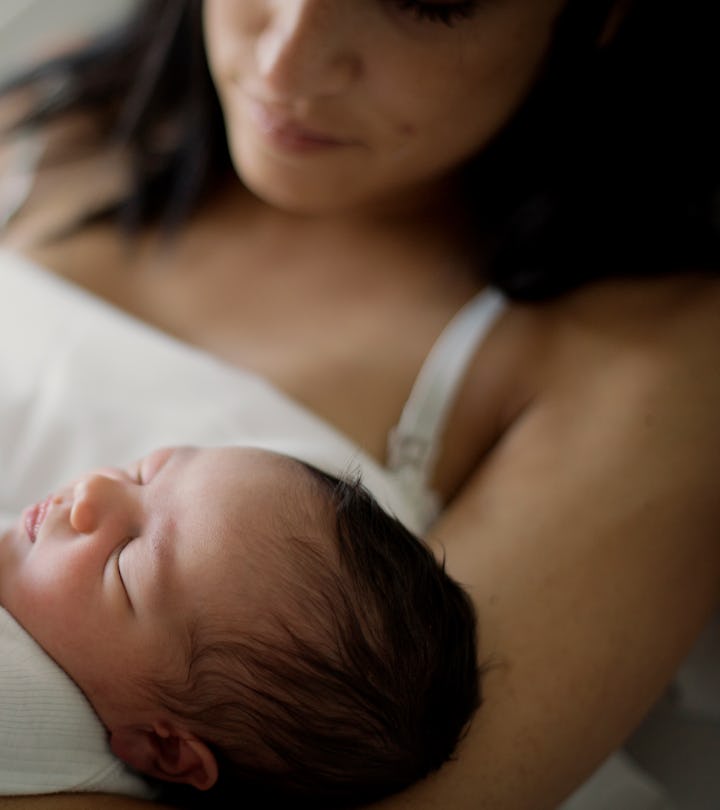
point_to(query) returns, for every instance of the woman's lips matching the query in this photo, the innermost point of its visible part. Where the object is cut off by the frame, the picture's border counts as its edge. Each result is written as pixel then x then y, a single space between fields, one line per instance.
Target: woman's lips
pixel 289 134
pixel 34 517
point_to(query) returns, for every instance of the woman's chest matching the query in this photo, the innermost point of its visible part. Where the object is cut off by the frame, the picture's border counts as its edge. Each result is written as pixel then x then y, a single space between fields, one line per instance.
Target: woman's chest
pixel 343 332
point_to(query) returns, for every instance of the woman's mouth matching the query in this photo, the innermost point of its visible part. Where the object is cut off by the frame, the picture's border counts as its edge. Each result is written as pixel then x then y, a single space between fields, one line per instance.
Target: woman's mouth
pixel 34 517
pixel 290 134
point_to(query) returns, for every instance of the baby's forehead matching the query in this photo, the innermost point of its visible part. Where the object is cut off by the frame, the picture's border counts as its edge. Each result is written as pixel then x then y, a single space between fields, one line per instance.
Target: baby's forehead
pixel 294 513
pixel 305 523
pixel 305 480
pixel 290 553
pixel 307 508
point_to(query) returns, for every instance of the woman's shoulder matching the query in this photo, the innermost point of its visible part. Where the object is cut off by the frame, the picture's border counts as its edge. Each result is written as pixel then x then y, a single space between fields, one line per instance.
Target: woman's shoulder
pixel 639 304
pixel 623 359
pixel 632 350
pixel 604 330
pixel 657 323
pixel 641 339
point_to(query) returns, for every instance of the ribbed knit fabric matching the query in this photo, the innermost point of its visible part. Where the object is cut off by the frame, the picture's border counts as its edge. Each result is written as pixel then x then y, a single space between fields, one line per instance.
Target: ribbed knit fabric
pixel 50 738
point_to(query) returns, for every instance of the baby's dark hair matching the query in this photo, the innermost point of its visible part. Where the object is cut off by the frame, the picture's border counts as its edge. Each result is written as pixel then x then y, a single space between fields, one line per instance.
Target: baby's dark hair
pixel 365 690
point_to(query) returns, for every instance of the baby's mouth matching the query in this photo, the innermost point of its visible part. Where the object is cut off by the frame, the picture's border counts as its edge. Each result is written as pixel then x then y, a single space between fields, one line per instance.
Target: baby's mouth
pixel 34 517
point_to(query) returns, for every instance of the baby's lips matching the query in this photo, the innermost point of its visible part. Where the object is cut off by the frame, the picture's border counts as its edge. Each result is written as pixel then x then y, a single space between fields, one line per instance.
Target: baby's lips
pixel 34 517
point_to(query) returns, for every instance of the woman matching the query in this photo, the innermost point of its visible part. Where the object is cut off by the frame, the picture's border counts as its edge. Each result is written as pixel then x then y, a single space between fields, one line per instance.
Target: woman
pixel 385 162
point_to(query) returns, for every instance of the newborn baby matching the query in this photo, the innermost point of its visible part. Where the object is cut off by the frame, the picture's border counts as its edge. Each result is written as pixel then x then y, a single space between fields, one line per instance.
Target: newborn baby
pixel 243 623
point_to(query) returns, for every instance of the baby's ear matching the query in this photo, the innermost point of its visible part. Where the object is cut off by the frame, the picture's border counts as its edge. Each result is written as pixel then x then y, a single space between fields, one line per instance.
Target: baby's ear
pixel 168 753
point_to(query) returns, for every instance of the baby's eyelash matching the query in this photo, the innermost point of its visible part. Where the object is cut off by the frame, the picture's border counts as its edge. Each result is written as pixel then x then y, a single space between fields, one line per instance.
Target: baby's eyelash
pixel 119 571
pixel 446 13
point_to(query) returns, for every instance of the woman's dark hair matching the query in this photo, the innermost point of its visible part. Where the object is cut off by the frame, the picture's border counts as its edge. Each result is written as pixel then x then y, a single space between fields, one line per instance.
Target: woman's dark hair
pixel 365 684
pixel 610 168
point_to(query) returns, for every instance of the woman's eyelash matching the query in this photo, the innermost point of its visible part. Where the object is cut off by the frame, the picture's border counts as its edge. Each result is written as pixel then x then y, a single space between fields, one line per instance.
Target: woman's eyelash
pixel 446 13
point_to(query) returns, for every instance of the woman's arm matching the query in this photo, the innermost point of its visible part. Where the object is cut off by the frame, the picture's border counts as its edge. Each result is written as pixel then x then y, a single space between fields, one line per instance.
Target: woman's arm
pixel 591 543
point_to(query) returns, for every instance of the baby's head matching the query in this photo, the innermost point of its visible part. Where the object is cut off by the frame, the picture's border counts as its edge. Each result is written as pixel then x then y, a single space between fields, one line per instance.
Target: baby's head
pixel 236 617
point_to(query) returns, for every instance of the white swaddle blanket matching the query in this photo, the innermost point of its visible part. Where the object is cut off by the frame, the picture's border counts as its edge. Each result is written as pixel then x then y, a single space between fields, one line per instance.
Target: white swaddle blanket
pixel 50 738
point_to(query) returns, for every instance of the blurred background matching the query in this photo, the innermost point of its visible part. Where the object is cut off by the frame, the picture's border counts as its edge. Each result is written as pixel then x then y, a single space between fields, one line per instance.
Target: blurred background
pixel 29 28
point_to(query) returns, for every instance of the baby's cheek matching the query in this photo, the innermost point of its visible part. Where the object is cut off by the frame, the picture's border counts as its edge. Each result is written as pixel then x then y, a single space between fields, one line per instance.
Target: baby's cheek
pixel 34 599
pixel 6 562
pixel 13 552
pixel 25 601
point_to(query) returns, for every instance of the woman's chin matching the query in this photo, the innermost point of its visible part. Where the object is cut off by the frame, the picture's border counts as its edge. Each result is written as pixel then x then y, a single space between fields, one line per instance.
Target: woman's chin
pixel 332 190
pixel 295 196
pixel 311 188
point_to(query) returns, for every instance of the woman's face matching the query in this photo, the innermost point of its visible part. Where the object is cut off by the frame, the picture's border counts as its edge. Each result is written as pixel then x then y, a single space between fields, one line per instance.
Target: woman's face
pixel 332 105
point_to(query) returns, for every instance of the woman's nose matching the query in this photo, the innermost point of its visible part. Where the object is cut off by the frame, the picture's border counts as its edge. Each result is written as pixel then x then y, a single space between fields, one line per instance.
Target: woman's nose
pixel 97 498
pixel 307 49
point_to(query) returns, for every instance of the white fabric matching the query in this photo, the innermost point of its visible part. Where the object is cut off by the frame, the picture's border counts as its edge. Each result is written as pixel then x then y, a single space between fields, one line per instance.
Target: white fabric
pixel 83 384
pixel 50 738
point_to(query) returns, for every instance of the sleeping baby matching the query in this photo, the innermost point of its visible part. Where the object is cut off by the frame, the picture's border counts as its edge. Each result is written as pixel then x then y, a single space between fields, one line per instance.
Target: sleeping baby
pixel 239 622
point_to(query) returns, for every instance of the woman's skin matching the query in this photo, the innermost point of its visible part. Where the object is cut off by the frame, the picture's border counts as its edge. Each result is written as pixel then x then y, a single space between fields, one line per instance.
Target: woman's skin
pixel 96 801
pixel 580 467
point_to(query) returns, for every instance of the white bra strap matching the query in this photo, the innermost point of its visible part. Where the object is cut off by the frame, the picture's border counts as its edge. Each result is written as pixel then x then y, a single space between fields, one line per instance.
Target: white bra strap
pixel 416 439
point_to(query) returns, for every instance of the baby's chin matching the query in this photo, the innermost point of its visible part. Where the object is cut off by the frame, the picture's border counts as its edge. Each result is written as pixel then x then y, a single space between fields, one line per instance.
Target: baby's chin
pixel 12 531
pixel 6 557
pixel 14 547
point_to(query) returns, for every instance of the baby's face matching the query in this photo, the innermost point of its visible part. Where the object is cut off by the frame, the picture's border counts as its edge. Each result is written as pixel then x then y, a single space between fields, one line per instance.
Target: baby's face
pixel 110 573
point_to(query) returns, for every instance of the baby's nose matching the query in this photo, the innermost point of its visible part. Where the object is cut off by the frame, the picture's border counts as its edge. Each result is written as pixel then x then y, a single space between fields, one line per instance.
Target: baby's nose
pixel 93 496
